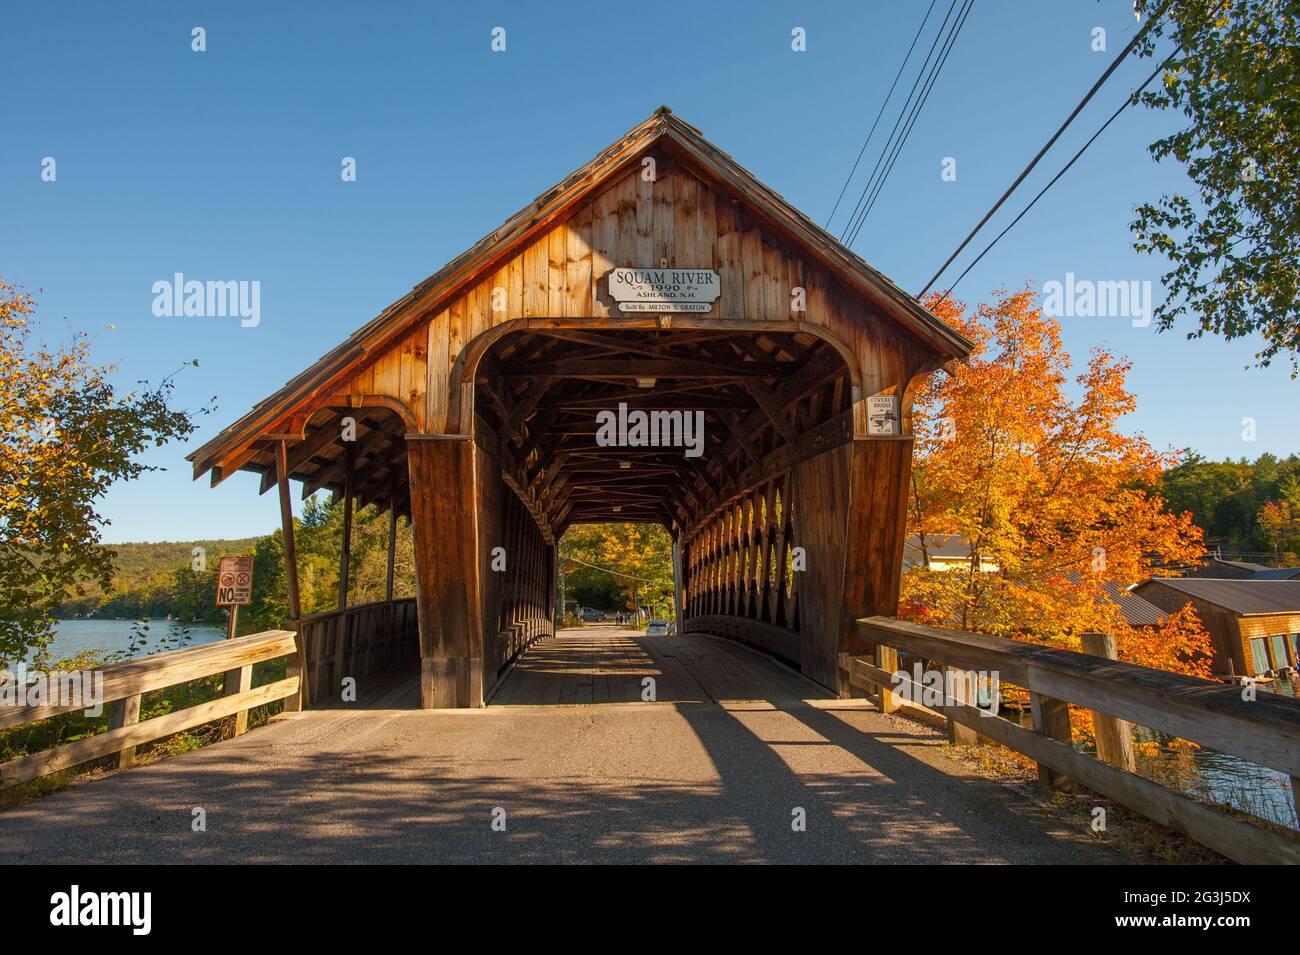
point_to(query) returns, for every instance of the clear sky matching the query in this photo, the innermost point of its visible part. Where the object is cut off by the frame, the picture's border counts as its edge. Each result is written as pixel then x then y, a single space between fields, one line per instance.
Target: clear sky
pixel 225 165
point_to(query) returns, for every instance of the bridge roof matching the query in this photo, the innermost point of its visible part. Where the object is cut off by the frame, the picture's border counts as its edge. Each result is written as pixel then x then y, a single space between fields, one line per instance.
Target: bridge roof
pixel 549 208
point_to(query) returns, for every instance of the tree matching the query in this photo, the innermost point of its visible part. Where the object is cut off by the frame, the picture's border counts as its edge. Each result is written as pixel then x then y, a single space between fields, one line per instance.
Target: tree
pixel 66 436
pixel 1045 489
pixel 640 554
pixel 1235 75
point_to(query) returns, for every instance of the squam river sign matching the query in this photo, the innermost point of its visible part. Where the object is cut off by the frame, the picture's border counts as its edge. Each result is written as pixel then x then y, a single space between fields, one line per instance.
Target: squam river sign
pixel 664 290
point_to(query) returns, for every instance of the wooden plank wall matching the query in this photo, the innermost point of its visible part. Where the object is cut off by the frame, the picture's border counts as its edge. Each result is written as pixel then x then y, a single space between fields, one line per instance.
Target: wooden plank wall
pixel 678 219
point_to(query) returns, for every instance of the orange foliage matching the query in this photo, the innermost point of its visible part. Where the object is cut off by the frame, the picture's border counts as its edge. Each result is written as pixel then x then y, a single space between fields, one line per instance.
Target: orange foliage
pixel 1046 489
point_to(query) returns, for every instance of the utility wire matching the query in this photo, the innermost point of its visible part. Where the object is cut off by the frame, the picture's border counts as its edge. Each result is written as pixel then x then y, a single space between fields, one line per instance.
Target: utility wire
pixel 1064 169
pixel 1034 162
pixel 616 573
pixel 915 115
pixel 872 132
pixel 929 56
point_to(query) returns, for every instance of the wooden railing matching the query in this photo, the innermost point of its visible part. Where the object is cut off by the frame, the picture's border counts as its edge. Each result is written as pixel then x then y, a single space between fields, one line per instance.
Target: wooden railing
pixel 356 642
pixel 125 683
pixel 1265 730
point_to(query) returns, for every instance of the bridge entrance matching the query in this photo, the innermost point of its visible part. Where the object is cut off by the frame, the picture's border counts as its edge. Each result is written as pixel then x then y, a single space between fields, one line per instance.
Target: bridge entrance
pixel 660 338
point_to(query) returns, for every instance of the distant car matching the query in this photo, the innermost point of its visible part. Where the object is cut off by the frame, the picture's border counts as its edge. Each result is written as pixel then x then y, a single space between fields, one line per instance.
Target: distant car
pixel 591 615
pixel 657 628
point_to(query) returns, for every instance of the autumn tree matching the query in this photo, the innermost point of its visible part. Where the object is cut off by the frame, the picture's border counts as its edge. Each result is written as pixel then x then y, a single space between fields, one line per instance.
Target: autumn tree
pixel 66 436
pixel 1052 498
pixel 640 555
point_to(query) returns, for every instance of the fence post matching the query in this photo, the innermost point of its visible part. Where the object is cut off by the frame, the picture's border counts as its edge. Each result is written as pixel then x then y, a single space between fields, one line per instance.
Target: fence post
pixel 124 712
pixel 963 691
pixel 887 659
pixel 1051 719
pixel 239 680
pixel 1114 736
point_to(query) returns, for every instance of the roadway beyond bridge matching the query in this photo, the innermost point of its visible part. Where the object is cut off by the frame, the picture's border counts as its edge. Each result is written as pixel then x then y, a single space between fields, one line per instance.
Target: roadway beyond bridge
pixel 713 771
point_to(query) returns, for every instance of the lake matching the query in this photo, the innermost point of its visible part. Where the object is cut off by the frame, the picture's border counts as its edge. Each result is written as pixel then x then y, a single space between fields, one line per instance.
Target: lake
pixel 77 636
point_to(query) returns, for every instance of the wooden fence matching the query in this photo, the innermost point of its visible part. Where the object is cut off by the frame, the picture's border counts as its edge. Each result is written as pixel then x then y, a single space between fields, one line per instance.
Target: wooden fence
pixel 358 641
pixel 125 683
pixel 1265 730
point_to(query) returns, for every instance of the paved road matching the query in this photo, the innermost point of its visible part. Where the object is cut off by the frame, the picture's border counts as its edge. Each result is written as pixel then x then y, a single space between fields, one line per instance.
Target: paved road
pixel 716 778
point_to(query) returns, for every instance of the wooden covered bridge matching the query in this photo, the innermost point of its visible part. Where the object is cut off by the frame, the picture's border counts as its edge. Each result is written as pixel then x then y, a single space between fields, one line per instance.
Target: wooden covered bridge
pixel 660 277
pixel 497 405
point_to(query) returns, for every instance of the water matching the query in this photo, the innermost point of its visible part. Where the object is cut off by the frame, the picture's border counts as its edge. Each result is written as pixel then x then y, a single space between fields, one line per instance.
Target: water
pixel 1243 785
pixel 77 636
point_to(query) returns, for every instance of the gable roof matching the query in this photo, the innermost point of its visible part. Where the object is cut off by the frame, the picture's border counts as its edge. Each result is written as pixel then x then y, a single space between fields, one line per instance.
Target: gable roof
pixel 543 213
pixel 1277 573
pixel 1244 597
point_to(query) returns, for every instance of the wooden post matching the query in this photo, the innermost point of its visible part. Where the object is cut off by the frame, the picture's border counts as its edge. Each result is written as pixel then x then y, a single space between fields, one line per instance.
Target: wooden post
pixel 887 659
pixel 121 713
pixel 963 691
pixel 1114 736
pixel 678 623
pixel 1052 719
pixel 239 679
pixel 444 518
pixel 345 555
pixel 392 546
pixel 295 667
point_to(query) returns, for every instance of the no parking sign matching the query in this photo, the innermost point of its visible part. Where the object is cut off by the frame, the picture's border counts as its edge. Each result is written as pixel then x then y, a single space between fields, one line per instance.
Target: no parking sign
pixel 235 582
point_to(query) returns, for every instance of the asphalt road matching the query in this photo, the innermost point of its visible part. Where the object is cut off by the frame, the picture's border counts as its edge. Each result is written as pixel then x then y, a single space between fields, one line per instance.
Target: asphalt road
pixel 618 782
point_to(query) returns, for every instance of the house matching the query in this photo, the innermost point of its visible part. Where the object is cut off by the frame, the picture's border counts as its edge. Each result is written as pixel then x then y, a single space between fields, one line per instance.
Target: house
pixel 1219 569
pixel 1254 624
pixel 941 552
pixel 1276 573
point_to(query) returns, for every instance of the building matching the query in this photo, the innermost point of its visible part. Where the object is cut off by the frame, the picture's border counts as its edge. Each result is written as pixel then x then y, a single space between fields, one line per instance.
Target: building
pixel 1254 624
pixel 941 552
pixel 1219 569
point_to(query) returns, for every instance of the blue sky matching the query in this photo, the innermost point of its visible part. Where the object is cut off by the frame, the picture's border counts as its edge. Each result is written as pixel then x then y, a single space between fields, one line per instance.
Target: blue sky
pixel 225 165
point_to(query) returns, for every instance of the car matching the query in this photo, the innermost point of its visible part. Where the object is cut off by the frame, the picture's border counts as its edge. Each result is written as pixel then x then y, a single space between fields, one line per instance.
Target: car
pixel 657 628
pixel 591 615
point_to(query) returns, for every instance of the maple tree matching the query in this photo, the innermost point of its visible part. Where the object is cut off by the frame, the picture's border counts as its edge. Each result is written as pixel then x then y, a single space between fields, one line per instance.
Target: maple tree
pixel 66 435
pixel 1052 498
pixel 642 552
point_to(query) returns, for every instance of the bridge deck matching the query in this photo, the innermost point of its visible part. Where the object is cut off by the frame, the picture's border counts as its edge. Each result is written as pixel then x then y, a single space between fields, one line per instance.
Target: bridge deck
pixel 712 775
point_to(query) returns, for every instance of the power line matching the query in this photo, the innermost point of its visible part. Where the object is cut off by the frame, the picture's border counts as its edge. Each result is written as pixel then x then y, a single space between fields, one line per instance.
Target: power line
pixel 881 113
pixel 929 56
pixel 617 573
pixel 1064 169
pixel 1034 162
pixel 916 113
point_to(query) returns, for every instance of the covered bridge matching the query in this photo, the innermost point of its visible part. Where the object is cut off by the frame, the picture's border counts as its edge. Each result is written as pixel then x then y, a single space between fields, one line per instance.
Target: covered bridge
pixel 661 276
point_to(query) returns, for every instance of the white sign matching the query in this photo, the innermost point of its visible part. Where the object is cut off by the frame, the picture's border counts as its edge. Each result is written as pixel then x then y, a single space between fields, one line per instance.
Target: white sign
pixel 882 414
pixel 664 290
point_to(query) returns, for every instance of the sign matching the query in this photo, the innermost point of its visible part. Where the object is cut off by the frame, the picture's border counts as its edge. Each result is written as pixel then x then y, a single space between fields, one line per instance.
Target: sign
pixel 882 414
pixel 664 290
pixel 235 582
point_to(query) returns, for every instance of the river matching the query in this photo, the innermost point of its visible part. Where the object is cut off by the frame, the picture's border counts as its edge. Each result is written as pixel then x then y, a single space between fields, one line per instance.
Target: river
pixel 77 636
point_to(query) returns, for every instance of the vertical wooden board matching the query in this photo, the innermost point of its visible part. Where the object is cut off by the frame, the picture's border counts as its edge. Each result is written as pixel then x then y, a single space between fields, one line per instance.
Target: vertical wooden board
pixel 663 189
pixel 731 302
pixel 578 264
pixel 686 213
pixel 776 291
pixel 645 214
pixel 415 373
pixel 706 233
pixel 439 331
pixel 536 261
pixel 556 252
pixel 478 307
pixel 604 248
pixel 751 251
pixel 388 373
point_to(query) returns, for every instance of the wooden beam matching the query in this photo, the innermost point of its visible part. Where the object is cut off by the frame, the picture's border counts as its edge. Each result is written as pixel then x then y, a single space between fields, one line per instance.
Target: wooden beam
pixel 298 666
